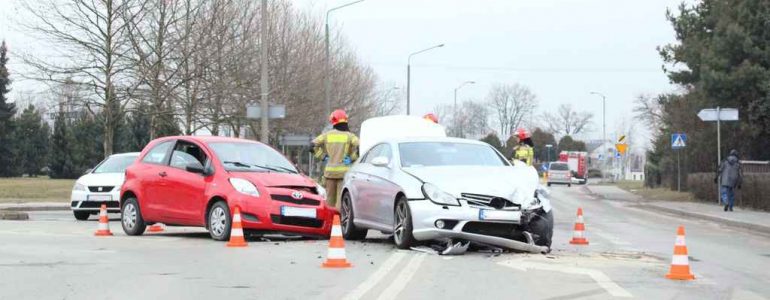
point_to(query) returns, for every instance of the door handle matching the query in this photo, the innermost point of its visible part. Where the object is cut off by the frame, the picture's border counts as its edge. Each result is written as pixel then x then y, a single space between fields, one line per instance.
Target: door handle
pixel 163 174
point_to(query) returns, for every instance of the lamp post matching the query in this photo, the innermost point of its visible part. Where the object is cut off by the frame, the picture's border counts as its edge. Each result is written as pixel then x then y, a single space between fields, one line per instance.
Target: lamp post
pixel 456 89
pixel 409 74
pixel 328 81
pixel 548 152
pixel 604 129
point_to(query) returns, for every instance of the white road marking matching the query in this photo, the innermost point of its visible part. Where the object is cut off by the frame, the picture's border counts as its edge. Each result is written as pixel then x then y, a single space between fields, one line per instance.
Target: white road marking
pixel 601 279
pixel 402 278
pixel 376 277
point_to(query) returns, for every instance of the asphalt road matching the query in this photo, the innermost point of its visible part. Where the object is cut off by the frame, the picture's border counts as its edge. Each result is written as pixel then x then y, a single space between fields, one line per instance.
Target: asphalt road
pixel 52 256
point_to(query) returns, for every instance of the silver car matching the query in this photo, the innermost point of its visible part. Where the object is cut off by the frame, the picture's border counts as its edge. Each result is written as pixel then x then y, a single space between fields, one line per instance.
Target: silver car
pixel 445 189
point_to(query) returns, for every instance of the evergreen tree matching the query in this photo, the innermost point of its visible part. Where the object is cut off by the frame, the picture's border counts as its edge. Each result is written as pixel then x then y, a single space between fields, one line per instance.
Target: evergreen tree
pixel 31 137
pixel 493 140
pixel 541 138
pixel 566 143
pixel 7 111
pixel 60 158
pixel 86 140
pixel 138 128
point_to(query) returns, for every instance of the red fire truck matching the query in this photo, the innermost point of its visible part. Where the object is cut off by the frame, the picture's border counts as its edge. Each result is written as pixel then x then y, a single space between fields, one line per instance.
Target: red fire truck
pixel 578 165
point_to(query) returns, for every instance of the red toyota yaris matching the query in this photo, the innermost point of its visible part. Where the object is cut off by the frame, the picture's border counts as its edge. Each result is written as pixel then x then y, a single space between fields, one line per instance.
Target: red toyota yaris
pixel 198 181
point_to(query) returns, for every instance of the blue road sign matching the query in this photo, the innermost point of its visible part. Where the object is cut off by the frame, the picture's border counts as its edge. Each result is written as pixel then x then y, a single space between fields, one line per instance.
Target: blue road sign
pixel 678 140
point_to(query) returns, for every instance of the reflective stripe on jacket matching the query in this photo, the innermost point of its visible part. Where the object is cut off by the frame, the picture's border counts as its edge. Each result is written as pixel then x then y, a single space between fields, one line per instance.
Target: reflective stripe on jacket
pixel 524 153
pixel 336 145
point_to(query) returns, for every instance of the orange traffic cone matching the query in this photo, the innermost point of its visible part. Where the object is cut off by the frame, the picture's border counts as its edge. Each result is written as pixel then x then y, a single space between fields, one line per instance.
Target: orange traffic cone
pixel 104 223
pixel 236 231
pixel 155 228
pixel 335 257
pixel 680 263
pixel 579 238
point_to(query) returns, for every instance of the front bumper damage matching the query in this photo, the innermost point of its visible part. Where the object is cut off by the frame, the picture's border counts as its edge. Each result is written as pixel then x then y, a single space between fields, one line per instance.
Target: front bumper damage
pixel 425 214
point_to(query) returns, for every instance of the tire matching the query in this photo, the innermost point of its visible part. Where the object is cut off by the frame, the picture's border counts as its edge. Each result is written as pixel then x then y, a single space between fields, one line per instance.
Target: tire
pixel 402 229
pixel 569 185
pixel 81 215
pixel 131 217
pixel 549 184
pixel 541 226
pixel 219 221
pixel 347 216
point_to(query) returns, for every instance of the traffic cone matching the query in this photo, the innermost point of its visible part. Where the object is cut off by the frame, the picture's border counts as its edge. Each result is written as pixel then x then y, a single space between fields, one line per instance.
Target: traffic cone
pixel 335 257
pixel 680 263
pixel 236 231
pixel 155 228
pixel 578 238
pixel 104 223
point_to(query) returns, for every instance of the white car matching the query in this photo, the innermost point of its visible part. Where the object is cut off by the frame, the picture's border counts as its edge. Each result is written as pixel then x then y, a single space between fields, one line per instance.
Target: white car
pixel 446 189
pixel 101 185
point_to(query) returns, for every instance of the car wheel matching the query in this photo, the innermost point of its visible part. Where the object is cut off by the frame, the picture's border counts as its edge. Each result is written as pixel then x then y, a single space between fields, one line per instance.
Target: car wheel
pixel 402 230
pixel 349 230
pixel 81 215
pixel 131 218
pixel 219 221
pixel 549 184
pixel 541 226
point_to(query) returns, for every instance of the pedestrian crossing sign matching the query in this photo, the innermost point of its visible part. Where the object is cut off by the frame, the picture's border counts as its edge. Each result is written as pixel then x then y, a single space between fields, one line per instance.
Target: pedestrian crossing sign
pixel 678 140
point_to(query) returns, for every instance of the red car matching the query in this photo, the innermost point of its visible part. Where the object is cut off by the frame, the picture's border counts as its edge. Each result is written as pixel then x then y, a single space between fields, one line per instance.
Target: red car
pixel 198 181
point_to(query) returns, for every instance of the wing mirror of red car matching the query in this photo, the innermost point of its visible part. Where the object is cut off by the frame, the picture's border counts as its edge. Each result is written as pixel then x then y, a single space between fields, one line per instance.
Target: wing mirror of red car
pixel 196 168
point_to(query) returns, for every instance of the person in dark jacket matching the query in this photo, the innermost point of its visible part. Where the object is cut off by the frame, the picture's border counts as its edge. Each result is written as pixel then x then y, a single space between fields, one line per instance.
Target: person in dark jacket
pixel 729 177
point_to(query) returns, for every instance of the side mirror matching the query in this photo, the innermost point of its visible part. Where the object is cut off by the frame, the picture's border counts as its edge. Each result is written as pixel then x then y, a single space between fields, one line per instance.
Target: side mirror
pixel 380 161
pixel 196 168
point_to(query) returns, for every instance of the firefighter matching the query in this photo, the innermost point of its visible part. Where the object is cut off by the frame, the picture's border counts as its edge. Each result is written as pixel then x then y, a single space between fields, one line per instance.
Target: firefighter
pixel 338 148
pixel 431 117
pixel 524 151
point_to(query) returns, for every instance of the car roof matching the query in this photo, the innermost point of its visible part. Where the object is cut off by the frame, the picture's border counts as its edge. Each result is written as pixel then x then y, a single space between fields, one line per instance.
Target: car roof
pixel 434 140
pixel 209 138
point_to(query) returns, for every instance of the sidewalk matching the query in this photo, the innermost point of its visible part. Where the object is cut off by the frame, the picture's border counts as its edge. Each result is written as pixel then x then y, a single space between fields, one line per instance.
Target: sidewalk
pixel 743 218
pixel 34 206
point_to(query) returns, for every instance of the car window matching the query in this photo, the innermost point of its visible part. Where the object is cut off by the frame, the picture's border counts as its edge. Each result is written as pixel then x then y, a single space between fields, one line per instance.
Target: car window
pixel 374 152
pixel 251 157
pixel 559 167
pixel 419 154
pixel 115 164
pixel 158 153
pixel 186 153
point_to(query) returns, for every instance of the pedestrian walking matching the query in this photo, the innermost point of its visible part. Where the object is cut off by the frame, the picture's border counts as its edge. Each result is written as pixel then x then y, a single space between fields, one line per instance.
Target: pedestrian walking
pixel 729 177
pixel 338 148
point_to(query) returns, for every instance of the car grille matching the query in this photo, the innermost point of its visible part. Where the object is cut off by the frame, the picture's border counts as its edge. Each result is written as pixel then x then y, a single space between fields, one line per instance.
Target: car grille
pixel 489 201
pixel 296 221
pixel 311 190
pixel 104 189
pixel 290 199
pixel 98 204
pixel 503 230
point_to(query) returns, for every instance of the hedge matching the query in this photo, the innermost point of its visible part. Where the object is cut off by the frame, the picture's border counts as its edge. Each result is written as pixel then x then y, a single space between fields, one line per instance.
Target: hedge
pixel 755 191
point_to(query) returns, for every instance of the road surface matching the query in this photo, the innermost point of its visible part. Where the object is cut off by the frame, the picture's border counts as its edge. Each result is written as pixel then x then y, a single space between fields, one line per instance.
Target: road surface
pixel 52 256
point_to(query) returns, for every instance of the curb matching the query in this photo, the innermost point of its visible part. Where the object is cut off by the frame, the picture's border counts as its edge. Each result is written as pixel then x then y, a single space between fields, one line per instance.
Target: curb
pixel 35 208
pixel 744 225
pixel 13 215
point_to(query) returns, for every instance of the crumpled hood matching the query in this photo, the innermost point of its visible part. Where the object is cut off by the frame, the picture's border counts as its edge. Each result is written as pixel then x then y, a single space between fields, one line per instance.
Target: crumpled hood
pixel 275 179
pixel 516 183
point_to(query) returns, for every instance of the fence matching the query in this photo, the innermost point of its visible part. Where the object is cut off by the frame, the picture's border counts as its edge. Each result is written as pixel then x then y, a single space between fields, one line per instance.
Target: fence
pixel 755 191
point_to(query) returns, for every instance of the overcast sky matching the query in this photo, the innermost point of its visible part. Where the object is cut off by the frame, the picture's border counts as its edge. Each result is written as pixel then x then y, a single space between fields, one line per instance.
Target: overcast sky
pixel 561 49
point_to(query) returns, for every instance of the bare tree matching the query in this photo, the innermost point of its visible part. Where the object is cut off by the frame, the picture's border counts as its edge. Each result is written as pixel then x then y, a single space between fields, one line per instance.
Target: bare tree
pixel 649 109
pixel 471 120
pixel 566 121
pixel 89 38
pixel 511 104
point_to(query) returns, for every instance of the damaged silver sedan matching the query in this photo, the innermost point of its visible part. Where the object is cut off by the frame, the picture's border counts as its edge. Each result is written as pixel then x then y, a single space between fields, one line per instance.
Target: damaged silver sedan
pixel 449 190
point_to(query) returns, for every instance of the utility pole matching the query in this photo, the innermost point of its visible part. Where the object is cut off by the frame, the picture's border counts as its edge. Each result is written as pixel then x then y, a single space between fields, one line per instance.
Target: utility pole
pixel 264 83
pixel 409 76
pixel 327 67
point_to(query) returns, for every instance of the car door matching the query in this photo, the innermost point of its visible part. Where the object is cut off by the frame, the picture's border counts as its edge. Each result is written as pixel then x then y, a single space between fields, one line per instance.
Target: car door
pixel 365 207
pixel 185 191
pixel 152 171
pixel 383 190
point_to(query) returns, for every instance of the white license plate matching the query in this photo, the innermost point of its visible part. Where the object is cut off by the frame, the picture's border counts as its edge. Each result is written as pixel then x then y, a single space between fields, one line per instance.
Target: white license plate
pixel 289 211
pixel 99 197
pixel 499 215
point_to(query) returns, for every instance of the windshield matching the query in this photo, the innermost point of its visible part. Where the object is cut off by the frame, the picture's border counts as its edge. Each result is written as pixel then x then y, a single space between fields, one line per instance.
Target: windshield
pixel 559 167
pixel 417 154
pixel 251 157
pixel 115 164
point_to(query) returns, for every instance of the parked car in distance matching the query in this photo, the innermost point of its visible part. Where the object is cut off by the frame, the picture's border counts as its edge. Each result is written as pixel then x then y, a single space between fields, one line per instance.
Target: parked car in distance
pixel 100 185
pixel 559 173
pixel 198 181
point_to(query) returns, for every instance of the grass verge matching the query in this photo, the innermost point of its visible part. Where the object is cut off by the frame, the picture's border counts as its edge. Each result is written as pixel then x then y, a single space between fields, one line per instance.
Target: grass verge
pixel 39 189
pixel 638 188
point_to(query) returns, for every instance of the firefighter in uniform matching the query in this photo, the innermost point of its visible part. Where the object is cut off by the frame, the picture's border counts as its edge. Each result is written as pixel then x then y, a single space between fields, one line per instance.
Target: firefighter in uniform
pixel 525 150
pixel 338 148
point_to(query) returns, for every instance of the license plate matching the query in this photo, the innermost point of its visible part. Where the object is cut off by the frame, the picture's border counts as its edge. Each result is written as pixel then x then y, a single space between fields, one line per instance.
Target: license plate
pixel 99 197
pixel 499 215
pixel 289 211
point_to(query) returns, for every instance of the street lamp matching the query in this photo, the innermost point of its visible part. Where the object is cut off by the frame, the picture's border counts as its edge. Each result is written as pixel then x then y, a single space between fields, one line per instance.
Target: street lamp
pixel 604 128
pixel 328 83
pixel 409 74
pixel 548 152
pixel 457 88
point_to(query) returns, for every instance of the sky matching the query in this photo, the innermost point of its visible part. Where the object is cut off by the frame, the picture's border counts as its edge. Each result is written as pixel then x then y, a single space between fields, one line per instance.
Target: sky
pixel 561 49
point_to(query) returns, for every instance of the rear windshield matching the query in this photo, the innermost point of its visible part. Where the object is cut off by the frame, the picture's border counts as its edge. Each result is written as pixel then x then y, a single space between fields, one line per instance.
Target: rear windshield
pixel 559 167
pixel 115 164
pixel 419 154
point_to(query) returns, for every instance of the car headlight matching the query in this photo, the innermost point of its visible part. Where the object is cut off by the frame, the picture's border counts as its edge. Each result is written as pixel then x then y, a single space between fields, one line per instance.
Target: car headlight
pixel 436 195
pixel 79 187
pixel 243 186
pixel 321 190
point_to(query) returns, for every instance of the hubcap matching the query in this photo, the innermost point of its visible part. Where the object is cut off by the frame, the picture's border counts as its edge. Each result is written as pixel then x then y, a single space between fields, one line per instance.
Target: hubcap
pixel 129 216
pixel 400 214
pixel 345 213
pixel 217 221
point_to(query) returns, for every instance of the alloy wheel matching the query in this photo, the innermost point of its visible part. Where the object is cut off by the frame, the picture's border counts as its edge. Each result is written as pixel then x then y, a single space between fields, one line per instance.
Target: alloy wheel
pixel 345 213
pixel 129 216
pixel 217 221
pixel 398 233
